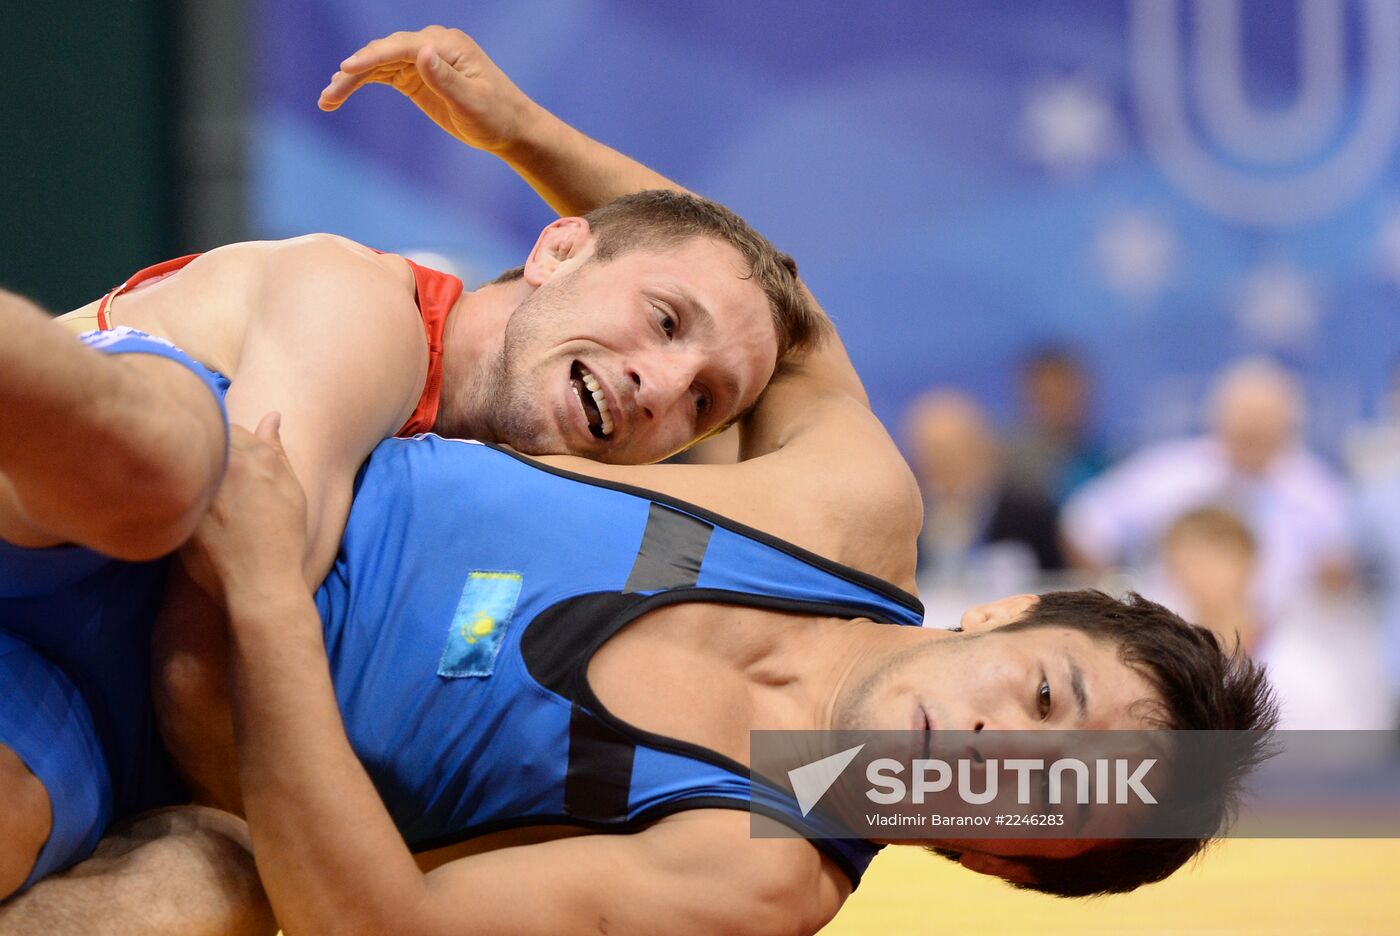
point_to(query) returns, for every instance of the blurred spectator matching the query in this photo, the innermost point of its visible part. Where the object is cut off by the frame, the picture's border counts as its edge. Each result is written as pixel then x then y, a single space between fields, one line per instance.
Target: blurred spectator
pixel 1052 452
pixel 1378 541
pixel 1373 449
pixel 1252 464
pixel 1209 557
pixel 974 525
pixel 1320 651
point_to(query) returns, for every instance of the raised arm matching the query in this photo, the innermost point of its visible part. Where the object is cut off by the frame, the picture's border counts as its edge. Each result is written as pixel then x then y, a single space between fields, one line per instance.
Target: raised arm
pixel 447 75
pixel 829 451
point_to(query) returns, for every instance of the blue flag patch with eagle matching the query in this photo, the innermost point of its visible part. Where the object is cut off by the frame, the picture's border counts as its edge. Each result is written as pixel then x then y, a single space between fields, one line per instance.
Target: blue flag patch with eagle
pixel 485 608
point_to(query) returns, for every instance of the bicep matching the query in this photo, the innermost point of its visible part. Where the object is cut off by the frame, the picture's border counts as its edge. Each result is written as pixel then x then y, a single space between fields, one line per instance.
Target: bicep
pixel 336 347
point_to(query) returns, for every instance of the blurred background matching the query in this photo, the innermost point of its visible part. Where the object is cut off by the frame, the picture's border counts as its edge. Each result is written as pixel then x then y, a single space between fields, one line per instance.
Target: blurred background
pixel 1122 276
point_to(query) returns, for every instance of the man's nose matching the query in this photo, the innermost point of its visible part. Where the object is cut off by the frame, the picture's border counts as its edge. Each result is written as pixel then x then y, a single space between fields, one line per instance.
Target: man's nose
pixel 661 383
pixel 1002 718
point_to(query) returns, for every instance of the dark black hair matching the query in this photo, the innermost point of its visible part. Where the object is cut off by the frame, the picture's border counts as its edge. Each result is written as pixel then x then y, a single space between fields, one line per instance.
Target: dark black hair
pixel 1199 687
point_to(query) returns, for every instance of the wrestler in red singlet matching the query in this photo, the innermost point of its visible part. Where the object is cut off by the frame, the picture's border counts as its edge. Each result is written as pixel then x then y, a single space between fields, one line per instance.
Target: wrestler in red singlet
pixel 436 293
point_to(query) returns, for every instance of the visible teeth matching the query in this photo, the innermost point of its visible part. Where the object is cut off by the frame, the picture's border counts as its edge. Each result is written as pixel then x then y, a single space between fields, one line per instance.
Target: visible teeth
pixel 596 389
pixel 602 402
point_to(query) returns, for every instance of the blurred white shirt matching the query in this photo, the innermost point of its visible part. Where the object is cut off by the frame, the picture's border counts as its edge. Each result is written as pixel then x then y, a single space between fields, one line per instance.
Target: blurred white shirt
pixel 1298 512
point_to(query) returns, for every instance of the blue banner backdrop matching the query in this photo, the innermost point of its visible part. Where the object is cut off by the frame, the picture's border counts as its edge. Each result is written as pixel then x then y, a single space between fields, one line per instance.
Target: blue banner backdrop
pixel 1163 184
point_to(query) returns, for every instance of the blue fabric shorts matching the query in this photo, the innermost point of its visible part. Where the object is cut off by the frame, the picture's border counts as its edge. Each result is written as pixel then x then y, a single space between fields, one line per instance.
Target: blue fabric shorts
pixel 75 655
pixel 123 340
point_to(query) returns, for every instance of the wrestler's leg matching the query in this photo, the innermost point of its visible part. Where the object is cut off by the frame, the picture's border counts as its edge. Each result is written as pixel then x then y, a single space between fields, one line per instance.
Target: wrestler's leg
pixel 55 790
pixel 183 871
pixel 117 452
pixel 25 820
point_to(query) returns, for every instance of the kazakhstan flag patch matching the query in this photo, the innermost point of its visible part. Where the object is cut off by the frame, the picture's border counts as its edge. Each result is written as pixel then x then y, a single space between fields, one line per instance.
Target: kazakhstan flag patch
pixel 487 603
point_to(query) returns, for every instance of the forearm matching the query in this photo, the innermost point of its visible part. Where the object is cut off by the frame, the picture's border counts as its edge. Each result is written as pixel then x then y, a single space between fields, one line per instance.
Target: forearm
pixel 571 171
pixel 328 853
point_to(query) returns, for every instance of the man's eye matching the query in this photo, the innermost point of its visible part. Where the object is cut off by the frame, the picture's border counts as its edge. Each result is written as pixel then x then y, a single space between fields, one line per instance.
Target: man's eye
pixel 702 404
pixel 666 320
pixel 1044 698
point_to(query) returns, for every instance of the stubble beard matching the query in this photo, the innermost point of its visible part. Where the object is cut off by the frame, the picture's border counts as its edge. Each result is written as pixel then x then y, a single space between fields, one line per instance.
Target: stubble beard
pixel 857 710
pixel 516 411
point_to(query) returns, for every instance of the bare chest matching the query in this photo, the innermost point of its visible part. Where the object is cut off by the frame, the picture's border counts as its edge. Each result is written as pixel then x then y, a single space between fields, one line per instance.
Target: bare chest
pixel 670 673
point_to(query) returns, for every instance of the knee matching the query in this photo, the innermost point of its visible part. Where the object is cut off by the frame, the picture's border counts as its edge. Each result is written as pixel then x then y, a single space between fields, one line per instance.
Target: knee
pixel 25 821
pixel 195 868
pixel 185 869
pixel 219 836
pixel 164 463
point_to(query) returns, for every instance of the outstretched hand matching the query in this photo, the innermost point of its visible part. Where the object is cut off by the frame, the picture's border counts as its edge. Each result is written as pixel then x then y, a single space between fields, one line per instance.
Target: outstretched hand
pixel 446 74
pixel 255 529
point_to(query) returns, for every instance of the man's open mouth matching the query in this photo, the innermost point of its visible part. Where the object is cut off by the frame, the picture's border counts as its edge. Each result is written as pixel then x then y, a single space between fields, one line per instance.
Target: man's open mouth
pixel 594 402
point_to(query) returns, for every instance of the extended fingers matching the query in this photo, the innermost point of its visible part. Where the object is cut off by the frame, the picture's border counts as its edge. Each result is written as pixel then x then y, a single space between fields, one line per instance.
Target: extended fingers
pixel 401 48
pixel 393 58
pixel 403 77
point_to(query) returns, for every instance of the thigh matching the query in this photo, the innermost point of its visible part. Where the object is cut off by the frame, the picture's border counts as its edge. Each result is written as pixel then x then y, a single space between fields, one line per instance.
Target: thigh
pixel 92 634
pixel 25 820
pixel 182 871
pixel 55 790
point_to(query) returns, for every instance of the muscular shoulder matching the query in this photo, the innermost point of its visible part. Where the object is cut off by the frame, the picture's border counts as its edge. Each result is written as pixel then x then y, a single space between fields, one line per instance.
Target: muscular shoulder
pixel 333 324
pixel 322 257
pixel 339 292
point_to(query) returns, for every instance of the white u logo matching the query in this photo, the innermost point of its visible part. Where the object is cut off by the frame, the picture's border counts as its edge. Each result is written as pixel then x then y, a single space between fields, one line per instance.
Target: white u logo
pixel 1321 181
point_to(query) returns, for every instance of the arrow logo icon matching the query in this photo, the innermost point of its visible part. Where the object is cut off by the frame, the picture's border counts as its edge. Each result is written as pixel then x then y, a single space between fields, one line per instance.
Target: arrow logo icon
pixel 811 781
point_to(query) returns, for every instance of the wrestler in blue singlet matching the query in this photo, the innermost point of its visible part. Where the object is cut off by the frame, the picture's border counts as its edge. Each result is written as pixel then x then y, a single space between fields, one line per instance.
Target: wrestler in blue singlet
pixel 75 655
pixel 471 590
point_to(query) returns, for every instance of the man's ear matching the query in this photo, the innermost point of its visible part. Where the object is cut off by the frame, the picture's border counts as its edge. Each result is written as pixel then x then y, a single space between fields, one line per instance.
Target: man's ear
pixel 1008 869
pixel 994 614
pixel 565 240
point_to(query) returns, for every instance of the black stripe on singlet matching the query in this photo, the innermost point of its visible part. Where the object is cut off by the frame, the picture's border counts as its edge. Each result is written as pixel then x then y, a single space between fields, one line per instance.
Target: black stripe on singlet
pixel 598 783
